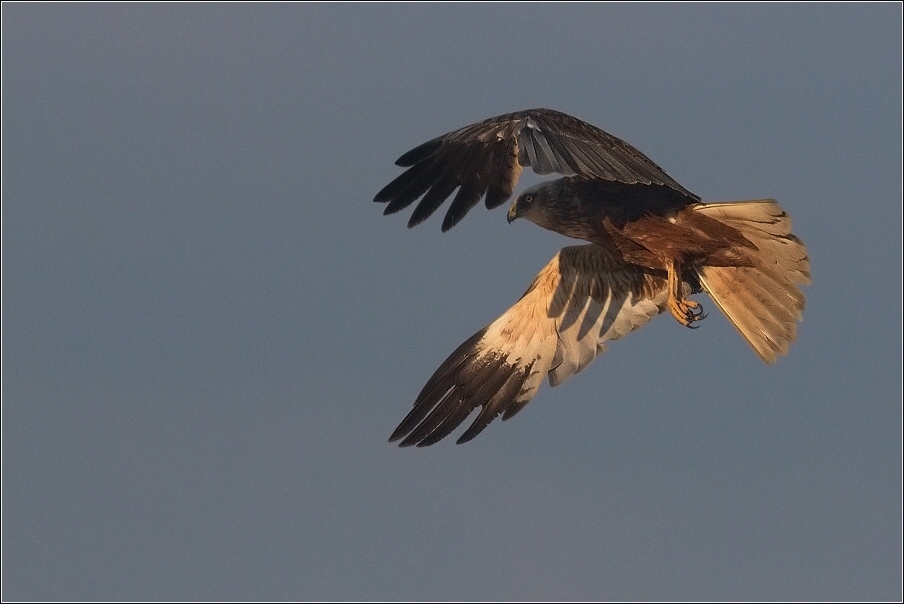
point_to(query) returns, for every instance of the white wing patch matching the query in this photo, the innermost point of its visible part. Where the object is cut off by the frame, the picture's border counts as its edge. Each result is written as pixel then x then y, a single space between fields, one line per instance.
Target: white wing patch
pixel 583 331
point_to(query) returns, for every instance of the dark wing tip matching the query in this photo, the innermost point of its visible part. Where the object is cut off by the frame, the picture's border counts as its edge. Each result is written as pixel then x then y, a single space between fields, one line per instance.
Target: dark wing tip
pixel 471 377
pixel 496 196
pixel 467 197
pixel 420 153
pixel 478 159
pixel 502 400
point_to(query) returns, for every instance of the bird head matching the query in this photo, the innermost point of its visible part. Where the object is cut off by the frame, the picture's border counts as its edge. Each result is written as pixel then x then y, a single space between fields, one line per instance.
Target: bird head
pixel 533 203
pixel 555 205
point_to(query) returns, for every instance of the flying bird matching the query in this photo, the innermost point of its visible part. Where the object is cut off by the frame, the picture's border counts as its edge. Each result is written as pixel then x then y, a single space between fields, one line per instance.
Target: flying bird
pixel 652 244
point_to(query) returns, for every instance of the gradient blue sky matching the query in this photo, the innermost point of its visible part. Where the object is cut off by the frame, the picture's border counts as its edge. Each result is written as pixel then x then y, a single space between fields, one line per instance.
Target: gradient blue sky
pixel 209 330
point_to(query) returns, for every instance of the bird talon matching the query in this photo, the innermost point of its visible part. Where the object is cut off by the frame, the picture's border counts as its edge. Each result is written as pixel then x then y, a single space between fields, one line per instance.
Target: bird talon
pixel 686 312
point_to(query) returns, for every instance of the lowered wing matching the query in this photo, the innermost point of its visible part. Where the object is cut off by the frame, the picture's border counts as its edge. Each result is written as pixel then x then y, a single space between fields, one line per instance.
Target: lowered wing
pixel 486 160
pixel 581 299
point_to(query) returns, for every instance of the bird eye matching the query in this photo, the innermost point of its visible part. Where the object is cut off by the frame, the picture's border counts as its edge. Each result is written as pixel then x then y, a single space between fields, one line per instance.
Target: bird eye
pixel 528 198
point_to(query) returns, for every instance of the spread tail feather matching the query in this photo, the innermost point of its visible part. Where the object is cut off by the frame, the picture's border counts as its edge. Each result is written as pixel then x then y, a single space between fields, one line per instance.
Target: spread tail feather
pixel 763 301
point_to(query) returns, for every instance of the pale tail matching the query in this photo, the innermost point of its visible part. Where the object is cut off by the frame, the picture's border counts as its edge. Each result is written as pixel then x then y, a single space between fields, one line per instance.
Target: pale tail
pixel 763 301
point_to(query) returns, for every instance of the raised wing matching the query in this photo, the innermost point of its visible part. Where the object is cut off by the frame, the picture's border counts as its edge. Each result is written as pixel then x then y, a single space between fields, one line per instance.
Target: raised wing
pixel 487 158
pixel 581 299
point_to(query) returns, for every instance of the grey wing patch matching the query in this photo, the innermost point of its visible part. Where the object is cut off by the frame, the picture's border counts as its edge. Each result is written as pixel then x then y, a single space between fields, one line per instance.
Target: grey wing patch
pixel 581 299
pixel 557 142
pixel 538 153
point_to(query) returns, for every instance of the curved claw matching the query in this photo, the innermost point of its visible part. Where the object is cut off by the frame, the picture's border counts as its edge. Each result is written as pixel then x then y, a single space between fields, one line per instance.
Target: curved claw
pixel 686 312
pixel 697 317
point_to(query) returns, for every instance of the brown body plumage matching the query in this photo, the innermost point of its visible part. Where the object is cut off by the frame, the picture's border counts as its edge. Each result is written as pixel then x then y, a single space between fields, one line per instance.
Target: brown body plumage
pixel 653 243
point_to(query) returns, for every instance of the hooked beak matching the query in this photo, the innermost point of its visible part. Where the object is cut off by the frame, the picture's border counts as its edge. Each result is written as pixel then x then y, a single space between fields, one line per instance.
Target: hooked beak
pixel 513 212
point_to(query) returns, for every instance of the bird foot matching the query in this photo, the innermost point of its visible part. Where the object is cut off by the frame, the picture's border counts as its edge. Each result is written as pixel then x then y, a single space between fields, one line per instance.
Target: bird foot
pixel 685 311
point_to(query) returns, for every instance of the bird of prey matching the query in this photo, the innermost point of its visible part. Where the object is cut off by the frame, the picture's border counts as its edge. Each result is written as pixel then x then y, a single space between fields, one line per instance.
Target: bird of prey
pixel 652 243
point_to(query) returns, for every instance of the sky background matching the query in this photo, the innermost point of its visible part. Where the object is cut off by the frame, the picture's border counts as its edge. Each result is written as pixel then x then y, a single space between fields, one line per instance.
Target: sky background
pixel 210 330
